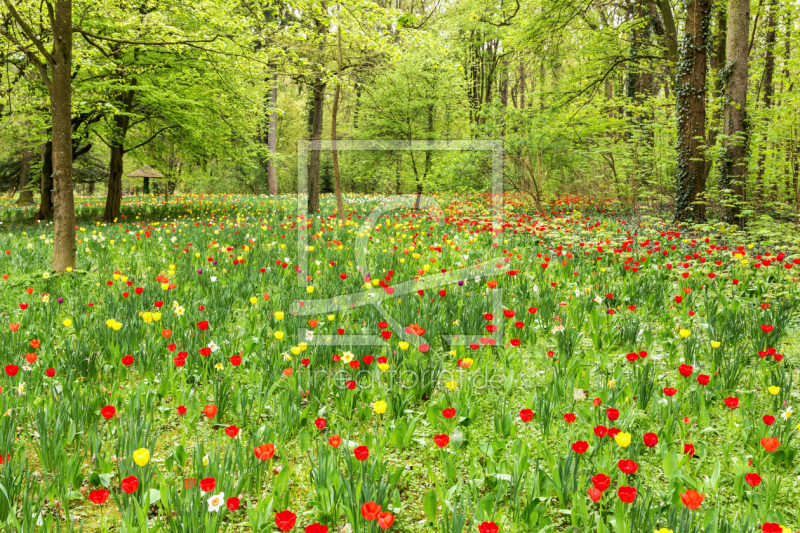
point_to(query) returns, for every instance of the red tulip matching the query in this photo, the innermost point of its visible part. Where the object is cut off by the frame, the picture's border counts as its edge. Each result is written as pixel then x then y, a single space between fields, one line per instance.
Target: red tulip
pixel 692 499
pixel 703 379
pixel 770 444
pixel 335 441
pixel 316 527
pixel 732 402
pixel 580 446
pixel 569 418
pixel 754 480
pixel 203 325
pixel 771 527
pixel 595 494
pixel 50 372
pixel 210 411
pixel 601 431
pixel 685 370
pixel 526 415
pixel 361 453
pixel 650 439
pixel 612 414
pixel 265 451
pixel 370 511
pixel 628 466
pixel 127 360
pixel 768 419
pixel 285 520
pixel 12 370
pixel 181 410
pixel 488 527
pixel 601 482
pixel 626 494
pixel 385 520
pixel 450 412
pixel 767 328
pixel 208 484
pixel 688 449
pixel 130 484
pixel 236 360
pixel 441 440
pixel 99 497
pixel 670 391
pixel 108 412
pixel 231 431
pixel 233 503
pixel 320 423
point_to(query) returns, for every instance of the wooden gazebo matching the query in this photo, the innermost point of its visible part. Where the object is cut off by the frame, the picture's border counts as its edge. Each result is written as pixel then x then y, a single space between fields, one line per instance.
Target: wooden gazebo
pixel 145 172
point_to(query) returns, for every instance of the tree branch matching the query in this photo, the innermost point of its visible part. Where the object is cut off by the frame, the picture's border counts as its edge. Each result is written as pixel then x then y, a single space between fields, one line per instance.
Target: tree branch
pixel 143 43
pixel 28 32
pixel 148 140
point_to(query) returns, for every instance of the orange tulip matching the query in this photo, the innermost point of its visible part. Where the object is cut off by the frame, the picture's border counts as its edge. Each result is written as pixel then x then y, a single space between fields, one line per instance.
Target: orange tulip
pixel 692 499
pixel 265 451
pixel 771 444
pixel 210 411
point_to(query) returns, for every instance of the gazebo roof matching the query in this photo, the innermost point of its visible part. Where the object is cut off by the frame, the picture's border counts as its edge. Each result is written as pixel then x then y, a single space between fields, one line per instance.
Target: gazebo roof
pixel 145 172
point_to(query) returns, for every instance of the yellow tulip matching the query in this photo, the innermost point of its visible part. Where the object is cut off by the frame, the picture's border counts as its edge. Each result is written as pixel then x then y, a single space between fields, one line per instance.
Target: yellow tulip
pixel 141 456
pixel 278 315
pixel 310 289
pixel 451 385
pixel 156 316
pixel 253 300
pixel 623 439
pixel 331 317
pixel 165 286
pixel 773 389
pixel 279 335
pixel 296 350
pixel 403 345
pixel 383 367
pixel 685 333
pixel 303 346
pixel 715 344
pixel 379 407
pixel 67 322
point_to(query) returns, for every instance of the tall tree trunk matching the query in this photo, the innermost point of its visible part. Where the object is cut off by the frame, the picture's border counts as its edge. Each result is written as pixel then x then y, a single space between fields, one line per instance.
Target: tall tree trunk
pixel 769 92
pixel 114 197
pixel 272 142
pixel 718 63
pixel 733 174
pixel 690 103
pixel 64 245
pixel 317 101
pixel 90 189
pixel 522 83
pixel 25 196
pixel 337 184
pixel 671 32
pixel 46 196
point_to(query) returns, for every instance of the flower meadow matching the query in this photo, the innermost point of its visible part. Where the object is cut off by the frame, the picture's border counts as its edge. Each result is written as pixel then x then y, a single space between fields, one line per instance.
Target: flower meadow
pixel 227 363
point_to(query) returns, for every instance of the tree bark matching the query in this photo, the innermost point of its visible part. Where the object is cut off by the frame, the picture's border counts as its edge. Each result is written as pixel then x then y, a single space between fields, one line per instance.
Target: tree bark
pixel 733 173
pixel 25 196
pixel 272 141
pixel 670 30
pixel 337 184
pixel 769 92
pixel 690 103
pixel 718 63
pixel 46 196
pixel 114 197
pixel 521 84
pixel 317 101
pixel 64 246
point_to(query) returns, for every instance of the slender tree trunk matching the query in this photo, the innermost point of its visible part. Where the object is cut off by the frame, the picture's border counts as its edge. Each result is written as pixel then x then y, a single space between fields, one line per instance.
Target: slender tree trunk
pixel 46 195
pixel 671 32
pixel 337 184
pixel 769 92
pixel 25 196
pixel 272 141
pixel 64 246
pixel 718 63
pixel 317 101
pixel 733 174
pixel 522 83
pixel 690 103
pixel 114 197
pixel 90 189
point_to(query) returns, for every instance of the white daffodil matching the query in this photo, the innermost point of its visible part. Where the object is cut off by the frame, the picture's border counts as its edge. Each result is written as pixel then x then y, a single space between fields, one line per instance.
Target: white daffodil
pixel 215 502
pixel 213 346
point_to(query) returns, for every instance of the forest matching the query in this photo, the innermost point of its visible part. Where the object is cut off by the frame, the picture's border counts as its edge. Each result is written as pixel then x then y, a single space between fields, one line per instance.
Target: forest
pixel 689 106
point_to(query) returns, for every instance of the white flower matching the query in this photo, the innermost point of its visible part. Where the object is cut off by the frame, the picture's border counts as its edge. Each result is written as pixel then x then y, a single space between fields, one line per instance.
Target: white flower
pixel 787 414
pixel 215 502
pixel 309 335
pixel 597 299
pixel 213 346
pixel 347 357
pixel 558 329
pixel 213 279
